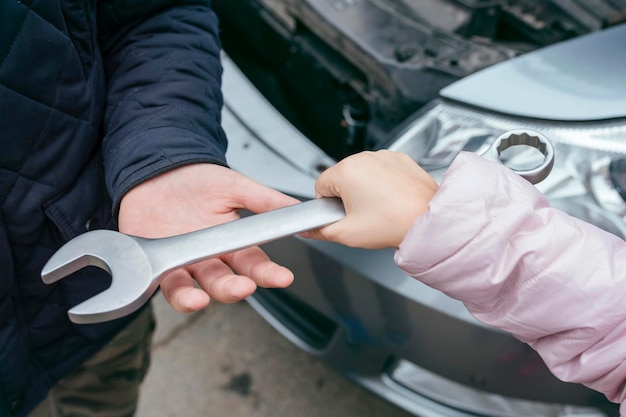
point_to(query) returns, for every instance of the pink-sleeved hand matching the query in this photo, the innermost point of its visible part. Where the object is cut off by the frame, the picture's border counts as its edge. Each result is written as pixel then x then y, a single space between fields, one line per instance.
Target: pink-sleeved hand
pixel 383 192
pixel 197 196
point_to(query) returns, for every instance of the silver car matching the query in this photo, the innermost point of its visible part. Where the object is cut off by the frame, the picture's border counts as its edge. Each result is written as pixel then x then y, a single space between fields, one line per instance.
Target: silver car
pixel 307 82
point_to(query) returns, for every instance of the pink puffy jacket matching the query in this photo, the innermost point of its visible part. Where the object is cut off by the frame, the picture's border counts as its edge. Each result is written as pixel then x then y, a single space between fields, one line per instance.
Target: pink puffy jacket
pixel 491 240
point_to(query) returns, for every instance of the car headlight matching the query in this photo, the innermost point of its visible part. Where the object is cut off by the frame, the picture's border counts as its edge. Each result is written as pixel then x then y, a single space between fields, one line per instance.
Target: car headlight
pixel 588 180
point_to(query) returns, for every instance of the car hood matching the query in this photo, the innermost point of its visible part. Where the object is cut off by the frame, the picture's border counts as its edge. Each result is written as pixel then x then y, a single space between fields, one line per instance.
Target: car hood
pixel 578 80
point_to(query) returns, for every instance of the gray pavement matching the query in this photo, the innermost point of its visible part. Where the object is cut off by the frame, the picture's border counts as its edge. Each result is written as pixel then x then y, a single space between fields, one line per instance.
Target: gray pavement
pixel 227 361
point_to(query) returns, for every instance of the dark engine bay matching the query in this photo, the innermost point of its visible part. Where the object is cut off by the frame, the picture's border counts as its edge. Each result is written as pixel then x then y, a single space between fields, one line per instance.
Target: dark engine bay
pixel 348 72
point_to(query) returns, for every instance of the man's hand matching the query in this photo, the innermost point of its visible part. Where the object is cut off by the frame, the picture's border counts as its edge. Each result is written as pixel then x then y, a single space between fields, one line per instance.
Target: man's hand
pixel 197 196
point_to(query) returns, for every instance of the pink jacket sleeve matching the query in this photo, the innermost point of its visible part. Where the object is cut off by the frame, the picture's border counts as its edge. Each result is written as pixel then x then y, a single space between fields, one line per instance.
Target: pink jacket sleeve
pixel 491 240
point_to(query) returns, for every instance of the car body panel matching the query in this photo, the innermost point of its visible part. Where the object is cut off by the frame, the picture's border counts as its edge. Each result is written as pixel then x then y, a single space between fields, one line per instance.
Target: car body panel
pixel 325 61
pixel 356 310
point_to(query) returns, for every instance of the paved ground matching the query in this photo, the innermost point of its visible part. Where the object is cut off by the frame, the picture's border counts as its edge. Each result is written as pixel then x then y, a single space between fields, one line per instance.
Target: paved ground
pixel 228 362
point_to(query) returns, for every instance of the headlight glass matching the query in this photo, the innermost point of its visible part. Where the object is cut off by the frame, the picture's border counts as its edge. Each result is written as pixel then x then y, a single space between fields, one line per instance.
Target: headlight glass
pixel 588 180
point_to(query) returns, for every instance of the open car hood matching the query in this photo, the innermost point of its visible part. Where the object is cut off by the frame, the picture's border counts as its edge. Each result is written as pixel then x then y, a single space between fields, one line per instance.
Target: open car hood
pixel 578 80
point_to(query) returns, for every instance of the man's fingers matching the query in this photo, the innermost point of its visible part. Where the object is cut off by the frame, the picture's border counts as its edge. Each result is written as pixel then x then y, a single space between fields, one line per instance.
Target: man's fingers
pixel 255 264
pixel 219 281
pixel 179 291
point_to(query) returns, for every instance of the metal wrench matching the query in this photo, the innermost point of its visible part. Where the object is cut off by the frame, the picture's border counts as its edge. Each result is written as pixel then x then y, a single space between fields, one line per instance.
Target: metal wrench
pixel 137 264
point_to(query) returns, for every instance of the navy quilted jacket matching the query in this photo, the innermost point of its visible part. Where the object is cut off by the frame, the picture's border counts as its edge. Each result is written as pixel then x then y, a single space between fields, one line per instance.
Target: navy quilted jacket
pixel 95 97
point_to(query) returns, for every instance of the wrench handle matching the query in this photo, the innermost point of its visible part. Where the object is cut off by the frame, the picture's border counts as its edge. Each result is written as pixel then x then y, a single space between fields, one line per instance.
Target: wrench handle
pixel 166 254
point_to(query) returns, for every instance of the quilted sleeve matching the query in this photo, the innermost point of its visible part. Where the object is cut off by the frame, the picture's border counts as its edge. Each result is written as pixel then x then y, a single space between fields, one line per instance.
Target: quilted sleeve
pixel 163 70
pixel 491 240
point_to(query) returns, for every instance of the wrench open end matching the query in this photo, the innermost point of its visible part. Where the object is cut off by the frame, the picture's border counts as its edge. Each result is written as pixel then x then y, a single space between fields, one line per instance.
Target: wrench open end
pixel 118 254
pixel 67 260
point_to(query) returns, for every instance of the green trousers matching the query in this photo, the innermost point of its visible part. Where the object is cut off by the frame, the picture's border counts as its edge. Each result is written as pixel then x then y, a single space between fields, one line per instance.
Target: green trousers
pixel 107 384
